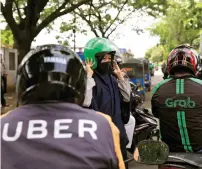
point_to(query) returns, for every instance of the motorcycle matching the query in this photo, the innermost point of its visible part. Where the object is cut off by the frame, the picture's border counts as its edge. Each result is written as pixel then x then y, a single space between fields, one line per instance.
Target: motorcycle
pixel 136 91
pixel 145 128
pixel 183 161
pixel 146 123
pixel 157 152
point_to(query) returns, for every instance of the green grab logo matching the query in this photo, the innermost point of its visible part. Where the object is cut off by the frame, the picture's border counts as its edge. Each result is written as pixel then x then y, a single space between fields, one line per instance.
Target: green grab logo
pixel 171 103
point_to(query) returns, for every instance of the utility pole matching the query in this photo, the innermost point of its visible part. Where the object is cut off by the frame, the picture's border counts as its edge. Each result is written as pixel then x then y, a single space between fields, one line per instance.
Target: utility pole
pixel 74 32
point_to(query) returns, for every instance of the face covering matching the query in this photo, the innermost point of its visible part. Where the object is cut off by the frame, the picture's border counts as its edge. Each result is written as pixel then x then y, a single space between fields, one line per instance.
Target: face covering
pixel 104 68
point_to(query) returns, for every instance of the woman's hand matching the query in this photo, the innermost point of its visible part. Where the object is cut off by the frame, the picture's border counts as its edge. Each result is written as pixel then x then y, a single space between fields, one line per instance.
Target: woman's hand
pixel 89 70
pixel 118 72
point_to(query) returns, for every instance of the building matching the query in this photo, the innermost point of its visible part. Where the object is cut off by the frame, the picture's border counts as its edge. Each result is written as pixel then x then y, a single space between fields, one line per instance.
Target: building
pixel 126 54
pixel 10 60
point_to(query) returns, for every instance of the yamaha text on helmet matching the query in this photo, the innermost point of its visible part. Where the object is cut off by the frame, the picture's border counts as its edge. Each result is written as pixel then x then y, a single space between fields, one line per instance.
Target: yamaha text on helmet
pixel 51 73
pixel 185 57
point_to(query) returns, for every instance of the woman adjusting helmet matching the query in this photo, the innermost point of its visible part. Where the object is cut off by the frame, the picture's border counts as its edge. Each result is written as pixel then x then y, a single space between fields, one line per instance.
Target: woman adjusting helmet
pixel 101 52
pixel 104 83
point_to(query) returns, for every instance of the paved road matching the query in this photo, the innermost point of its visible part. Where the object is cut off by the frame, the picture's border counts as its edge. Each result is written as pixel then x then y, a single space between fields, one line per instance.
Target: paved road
pixel 155 79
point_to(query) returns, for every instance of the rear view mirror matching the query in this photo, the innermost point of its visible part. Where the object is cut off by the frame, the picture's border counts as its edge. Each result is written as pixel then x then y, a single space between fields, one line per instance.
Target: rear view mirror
pixel 151 152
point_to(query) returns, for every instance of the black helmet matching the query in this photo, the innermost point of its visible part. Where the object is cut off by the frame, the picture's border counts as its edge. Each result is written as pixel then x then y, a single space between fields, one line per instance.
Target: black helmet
pixel 51 73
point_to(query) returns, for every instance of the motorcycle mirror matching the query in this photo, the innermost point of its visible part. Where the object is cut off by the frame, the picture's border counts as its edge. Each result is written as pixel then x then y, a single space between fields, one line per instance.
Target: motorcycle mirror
pixel 151 152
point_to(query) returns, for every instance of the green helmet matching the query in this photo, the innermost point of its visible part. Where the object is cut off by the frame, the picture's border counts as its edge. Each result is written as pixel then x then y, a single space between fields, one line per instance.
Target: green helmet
pixel 116 48
pixel 97 45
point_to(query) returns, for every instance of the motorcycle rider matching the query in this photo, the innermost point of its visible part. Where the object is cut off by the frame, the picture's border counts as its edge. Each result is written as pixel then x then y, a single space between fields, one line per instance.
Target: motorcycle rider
pixel 164 70
pixel 177 102
pixel 163 66
pixel 104 92
pixel 50 129
pixel 151 68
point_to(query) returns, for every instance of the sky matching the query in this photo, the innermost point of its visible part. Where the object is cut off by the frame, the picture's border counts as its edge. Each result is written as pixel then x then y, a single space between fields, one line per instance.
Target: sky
pixel 138 44
pixel 129 39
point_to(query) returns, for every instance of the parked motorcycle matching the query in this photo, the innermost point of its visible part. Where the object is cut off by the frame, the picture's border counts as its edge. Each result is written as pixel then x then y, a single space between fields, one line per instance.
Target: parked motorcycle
pixel 146 123
pixel 145 128
pixel 157 152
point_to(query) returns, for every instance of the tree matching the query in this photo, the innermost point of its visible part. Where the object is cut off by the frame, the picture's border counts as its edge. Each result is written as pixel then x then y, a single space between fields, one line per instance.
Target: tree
pixel 26 18
pixel 181 24
pixel 154 8
pixel 63 40
pixel 148 53
pixel 100 18
pixel 105 17
pixel 7 37
pixel 156 53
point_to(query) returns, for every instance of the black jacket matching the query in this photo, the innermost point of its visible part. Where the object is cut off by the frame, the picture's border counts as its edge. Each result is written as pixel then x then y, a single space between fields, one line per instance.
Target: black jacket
pixel 177 102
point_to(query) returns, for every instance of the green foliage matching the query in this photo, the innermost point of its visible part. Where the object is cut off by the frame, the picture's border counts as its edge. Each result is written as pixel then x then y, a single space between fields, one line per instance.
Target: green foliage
pixel 63 40
pixel 156 53
pixel 182 24
pixel 154 8
pixel 7 37
pixel 104 17
pixel 26 18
